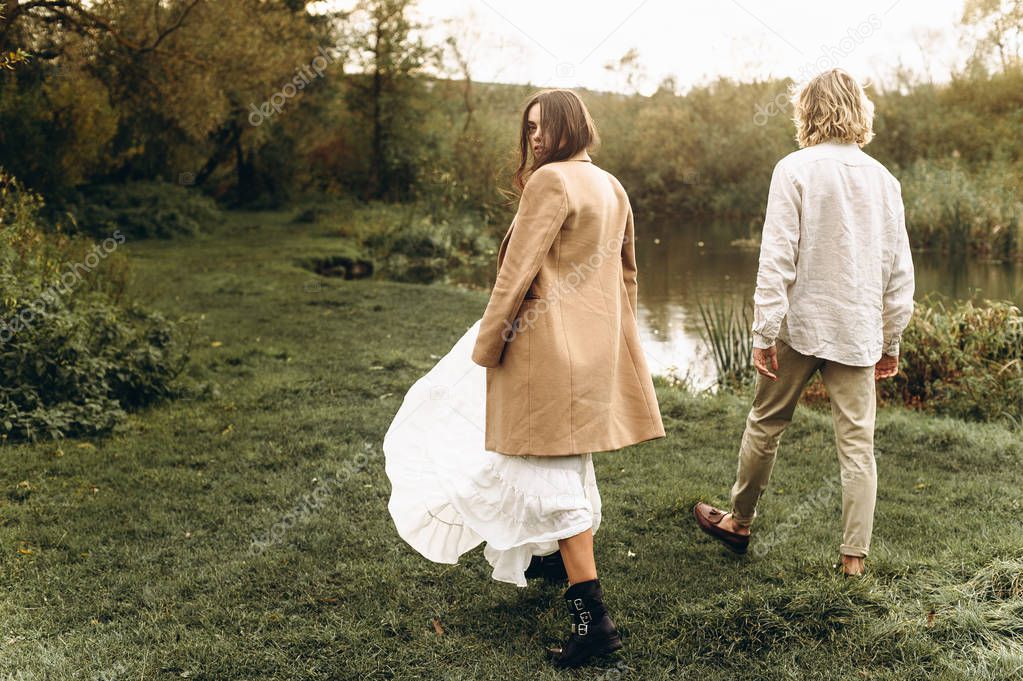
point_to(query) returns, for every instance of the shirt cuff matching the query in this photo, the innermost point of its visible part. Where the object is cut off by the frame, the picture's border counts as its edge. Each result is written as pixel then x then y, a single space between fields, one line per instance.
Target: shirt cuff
pixel 891 346
pixel 761 342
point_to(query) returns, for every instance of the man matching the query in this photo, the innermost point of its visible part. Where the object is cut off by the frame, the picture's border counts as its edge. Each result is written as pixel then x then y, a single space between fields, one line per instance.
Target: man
pixel 834 294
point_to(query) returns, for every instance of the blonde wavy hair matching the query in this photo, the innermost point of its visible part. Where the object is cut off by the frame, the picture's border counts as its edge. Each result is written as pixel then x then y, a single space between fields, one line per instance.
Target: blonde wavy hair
pixel 832 107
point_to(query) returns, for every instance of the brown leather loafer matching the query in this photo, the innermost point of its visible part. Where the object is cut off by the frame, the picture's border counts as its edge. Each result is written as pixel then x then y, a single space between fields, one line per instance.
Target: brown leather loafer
pixel 708 518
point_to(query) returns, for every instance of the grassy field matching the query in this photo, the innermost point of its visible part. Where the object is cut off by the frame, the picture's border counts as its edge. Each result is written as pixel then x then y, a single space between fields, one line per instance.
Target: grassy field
pixel 244 534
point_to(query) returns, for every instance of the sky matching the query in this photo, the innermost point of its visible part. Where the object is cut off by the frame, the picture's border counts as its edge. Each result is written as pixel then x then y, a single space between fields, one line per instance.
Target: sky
pixel 568 43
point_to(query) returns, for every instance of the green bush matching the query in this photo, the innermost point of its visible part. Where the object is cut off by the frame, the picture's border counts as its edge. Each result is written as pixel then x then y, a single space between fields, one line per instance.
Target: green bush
pixel 78 368
pixel 423 250
pixel 142 210
pixel 952 208
pixel 958 358
pixel 73 361
pixel 962 359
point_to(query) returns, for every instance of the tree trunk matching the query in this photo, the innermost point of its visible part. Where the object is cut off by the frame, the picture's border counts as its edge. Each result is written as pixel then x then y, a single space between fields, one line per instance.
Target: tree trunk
pixel 247 190
pixel 377 183
pixel 225 140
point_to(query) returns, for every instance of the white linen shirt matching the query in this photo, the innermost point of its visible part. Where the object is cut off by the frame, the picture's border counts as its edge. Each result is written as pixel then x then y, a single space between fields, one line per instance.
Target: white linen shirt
pixel 836 273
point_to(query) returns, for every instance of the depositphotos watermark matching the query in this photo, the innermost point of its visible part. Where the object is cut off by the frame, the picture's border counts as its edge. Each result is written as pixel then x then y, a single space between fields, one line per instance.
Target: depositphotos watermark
pixel 65 286
pixel 813 507
pixel 311 502
pixel 831 57
pixel 303 76
pixel 564 286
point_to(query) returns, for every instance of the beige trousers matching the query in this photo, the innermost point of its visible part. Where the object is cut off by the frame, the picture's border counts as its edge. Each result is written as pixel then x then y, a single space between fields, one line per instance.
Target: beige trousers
pixel 853 408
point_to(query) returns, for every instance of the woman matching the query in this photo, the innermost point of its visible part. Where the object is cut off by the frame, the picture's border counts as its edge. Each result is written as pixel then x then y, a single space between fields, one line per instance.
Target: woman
pixel 505 456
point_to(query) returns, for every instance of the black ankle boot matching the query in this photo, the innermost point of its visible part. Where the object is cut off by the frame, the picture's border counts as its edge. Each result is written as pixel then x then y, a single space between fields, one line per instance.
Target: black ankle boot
pixel 551 568
pixel 593 632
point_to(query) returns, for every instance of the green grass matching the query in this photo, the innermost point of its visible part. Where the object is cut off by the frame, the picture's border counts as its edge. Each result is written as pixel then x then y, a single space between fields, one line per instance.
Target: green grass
pixel 129 557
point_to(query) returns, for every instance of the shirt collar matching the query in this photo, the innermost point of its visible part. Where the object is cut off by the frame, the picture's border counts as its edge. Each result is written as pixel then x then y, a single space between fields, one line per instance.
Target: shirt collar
pixel 841 144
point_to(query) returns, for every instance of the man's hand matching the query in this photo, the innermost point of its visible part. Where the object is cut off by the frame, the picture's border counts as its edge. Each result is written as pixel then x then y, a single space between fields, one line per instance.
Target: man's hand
pixel 766 360
pixel 887 367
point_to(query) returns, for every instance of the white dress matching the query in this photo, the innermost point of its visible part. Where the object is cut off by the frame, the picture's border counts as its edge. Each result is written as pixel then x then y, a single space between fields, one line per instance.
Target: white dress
pixel 449 494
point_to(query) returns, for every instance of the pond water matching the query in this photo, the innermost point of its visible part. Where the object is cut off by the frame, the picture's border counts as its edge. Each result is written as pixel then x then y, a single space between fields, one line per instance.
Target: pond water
pixel 680 265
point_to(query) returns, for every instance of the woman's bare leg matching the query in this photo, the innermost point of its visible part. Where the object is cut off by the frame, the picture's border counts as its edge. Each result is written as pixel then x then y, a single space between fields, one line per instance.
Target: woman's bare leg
pixel 577 554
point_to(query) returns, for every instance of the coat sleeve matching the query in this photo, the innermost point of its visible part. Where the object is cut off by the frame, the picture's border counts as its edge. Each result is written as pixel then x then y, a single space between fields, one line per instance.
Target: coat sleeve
pixel 543 208
pixel 629 269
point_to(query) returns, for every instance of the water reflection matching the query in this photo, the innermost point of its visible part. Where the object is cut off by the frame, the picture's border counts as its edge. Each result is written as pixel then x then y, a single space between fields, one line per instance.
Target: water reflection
pixel 681 265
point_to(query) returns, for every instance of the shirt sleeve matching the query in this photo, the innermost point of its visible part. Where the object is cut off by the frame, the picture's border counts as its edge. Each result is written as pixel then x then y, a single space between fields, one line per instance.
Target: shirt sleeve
pixel 898 292
pixel 779 250
pixel 543 208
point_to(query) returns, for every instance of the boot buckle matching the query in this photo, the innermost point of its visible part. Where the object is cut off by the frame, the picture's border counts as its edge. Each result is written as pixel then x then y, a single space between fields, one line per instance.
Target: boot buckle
pixel 578 603
pixel 585 616
pixel 582 629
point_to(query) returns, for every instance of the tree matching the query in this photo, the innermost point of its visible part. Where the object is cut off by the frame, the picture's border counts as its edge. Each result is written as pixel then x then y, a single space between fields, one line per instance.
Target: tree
pixel 629 70
pixel 125 89
pixel 387 55
pixel 8 58
pixel 999 28
pixel 76 16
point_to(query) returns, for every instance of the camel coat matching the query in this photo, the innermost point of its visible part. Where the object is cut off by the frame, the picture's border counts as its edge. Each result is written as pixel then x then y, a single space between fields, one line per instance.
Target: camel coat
pixel 565 370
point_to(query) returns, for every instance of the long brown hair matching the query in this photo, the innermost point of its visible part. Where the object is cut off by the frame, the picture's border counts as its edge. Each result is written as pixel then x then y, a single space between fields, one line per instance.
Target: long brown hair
pixel 563 116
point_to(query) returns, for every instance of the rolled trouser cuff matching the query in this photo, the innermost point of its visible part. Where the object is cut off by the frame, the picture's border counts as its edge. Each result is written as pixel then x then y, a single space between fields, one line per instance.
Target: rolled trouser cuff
pixel 739 519
pixel 853 551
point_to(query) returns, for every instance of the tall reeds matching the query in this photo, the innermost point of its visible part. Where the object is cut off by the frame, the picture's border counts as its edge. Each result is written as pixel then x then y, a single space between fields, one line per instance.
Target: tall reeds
pixel 727 331
pixel 959 210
